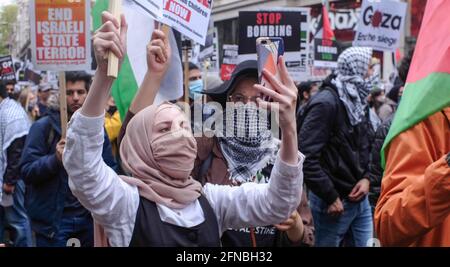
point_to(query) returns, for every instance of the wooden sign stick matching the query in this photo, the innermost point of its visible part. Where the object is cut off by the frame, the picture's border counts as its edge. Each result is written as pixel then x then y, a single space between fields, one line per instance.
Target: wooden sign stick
pixel 166 30
pixel 186 75
pixel 63 103
pixel 115 8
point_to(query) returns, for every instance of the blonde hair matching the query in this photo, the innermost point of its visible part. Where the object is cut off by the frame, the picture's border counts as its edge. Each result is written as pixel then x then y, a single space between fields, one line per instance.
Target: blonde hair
pixel 24 97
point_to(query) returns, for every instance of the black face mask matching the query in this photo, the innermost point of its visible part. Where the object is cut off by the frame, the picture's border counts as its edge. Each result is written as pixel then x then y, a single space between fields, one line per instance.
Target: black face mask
pixel 112 110
pixel 12 96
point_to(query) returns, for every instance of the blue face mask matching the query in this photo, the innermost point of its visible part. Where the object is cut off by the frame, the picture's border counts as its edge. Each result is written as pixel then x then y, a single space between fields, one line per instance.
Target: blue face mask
pixel 195 88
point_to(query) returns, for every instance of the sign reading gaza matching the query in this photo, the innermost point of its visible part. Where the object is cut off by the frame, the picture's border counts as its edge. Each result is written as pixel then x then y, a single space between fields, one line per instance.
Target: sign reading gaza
pixel 269 24
pixel 380 24
pixel 60 34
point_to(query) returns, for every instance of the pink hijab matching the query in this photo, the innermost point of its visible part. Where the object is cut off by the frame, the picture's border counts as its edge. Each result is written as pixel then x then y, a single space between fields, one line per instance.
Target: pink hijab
pixel 160 166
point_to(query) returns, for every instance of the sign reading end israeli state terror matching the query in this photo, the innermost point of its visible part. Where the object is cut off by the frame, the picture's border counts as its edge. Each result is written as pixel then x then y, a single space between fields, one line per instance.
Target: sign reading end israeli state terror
pixel 189 17
pixel 60 34
pixel 380 24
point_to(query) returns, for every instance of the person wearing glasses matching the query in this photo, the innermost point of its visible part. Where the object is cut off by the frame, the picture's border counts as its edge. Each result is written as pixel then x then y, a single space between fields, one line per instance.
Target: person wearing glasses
pixel 247 155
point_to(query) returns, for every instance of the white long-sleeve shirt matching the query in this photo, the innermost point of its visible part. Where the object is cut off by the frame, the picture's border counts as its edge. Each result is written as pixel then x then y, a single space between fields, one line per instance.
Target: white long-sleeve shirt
pixel 114 203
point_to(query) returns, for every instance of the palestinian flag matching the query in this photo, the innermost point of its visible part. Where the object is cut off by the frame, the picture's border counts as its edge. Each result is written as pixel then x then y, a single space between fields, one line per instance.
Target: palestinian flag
pixel 134 67
pixel 427 89
pixel 324 30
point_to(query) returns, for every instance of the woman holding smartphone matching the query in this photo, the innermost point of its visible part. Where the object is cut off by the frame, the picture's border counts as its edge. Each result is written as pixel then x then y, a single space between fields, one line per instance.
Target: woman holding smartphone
pixel 235 160
pixel 160 204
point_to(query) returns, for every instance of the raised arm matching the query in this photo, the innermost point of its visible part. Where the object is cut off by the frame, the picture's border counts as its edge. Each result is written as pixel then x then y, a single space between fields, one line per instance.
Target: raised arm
pixel 159 54
pixel 112 202
pixel 285 101
pixel 158 60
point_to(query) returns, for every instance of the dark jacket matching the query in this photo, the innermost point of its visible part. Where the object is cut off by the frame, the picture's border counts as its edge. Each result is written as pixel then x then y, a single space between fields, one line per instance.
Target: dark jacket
pixel 336 152
pixel 14 152
pixel 46 179
pixel 375 169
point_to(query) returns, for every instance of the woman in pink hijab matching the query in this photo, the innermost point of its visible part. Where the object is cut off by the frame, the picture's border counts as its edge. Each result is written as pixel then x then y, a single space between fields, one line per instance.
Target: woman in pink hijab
pixel 159 204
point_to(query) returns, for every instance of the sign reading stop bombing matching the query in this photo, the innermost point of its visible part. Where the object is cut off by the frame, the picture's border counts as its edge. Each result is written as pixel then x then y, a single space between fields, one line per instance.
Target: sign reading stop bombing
pixel 60 34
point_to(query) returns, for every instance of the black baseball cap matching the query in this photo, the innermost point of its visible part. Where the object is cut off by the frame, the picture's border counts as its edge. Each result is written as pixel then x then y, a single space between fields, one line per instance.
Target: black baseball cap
pixel 220 93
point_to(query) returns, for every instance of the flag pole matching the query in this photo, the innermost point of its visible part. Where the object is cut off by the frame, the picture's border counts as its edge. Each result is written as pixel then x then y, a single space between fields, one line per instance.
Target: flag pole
pixel 166 30
pixel 115 8
pixel 186 72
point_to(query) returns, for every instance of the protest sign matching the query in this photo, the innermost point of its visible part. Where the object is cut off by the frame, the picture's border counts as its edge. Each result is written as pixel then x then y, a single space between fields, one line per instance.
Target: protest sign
pixel 60 34
pixel 230 60
pixel 209 53
pixel 380 25
pixel 230 54
pixel 152 7
pixel 7 72
pixel 189 17
pixel 326 53
pixel 291 24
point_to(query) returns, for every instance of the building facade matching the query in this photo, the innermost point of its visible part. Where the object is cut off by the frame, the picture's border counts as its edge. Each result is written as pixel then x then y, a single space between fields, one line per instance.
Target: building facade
pixel 22 35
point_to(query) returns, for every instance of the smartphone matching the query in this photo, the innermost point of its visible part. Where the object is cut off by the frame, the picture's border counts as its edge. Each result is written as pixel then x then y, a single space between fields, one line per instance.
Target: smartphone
pixel 268 50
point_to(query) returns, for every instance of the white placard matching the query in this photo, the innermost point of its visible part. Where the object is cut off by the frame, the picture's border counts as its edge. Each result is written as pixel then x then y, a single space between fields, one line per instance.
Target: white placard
pixel 380 24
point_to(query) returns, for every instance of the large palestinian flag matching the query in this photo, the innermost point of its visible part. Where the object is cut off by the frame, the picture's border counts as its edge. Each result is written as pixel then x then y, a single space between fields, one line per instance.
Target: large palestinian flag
pixel 427 88
pixel 134 67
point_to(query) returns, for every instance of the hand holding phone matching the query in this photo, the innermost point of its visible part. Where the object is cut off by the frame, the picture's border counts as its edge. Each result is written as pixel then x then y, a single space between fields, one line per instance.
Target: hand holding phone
pixel 268 50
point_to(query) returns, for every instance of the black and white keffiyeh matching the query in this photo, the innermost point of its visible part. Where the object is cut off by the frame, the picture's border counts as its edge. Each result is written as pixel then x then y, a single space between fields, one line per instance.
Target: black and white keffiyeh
pixel 14 123
pixel 248 145
pixel 353 65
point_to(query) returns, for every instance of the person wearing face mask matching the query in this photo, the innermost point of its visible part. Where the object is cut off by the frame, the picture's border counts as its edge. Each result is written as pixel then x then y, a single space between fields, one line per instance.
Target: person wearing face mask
pixel 234 161
pixel 246 152
pixel 195 82
pixel 333 137
pixel 160 204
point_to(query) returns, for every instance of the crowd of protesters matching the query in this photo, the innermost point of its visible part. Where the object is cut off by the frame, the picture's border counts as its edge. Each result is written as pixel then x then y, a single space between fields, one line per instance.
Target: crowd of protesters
pixel 314 181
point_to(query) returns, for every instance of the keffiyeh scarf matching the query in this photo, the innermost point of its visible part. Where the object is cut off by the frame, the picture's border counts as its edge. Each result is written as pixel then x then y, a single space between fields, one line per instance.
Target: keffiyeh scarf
pixel 353 90
pixel 14 123
pixel 251 147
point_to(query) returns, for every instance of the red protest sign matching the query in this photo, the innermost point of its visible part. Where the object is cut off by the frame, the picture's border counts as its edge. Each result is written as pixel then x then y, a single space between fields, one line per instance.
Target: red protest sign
pixel 226 71
pixel 60 33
